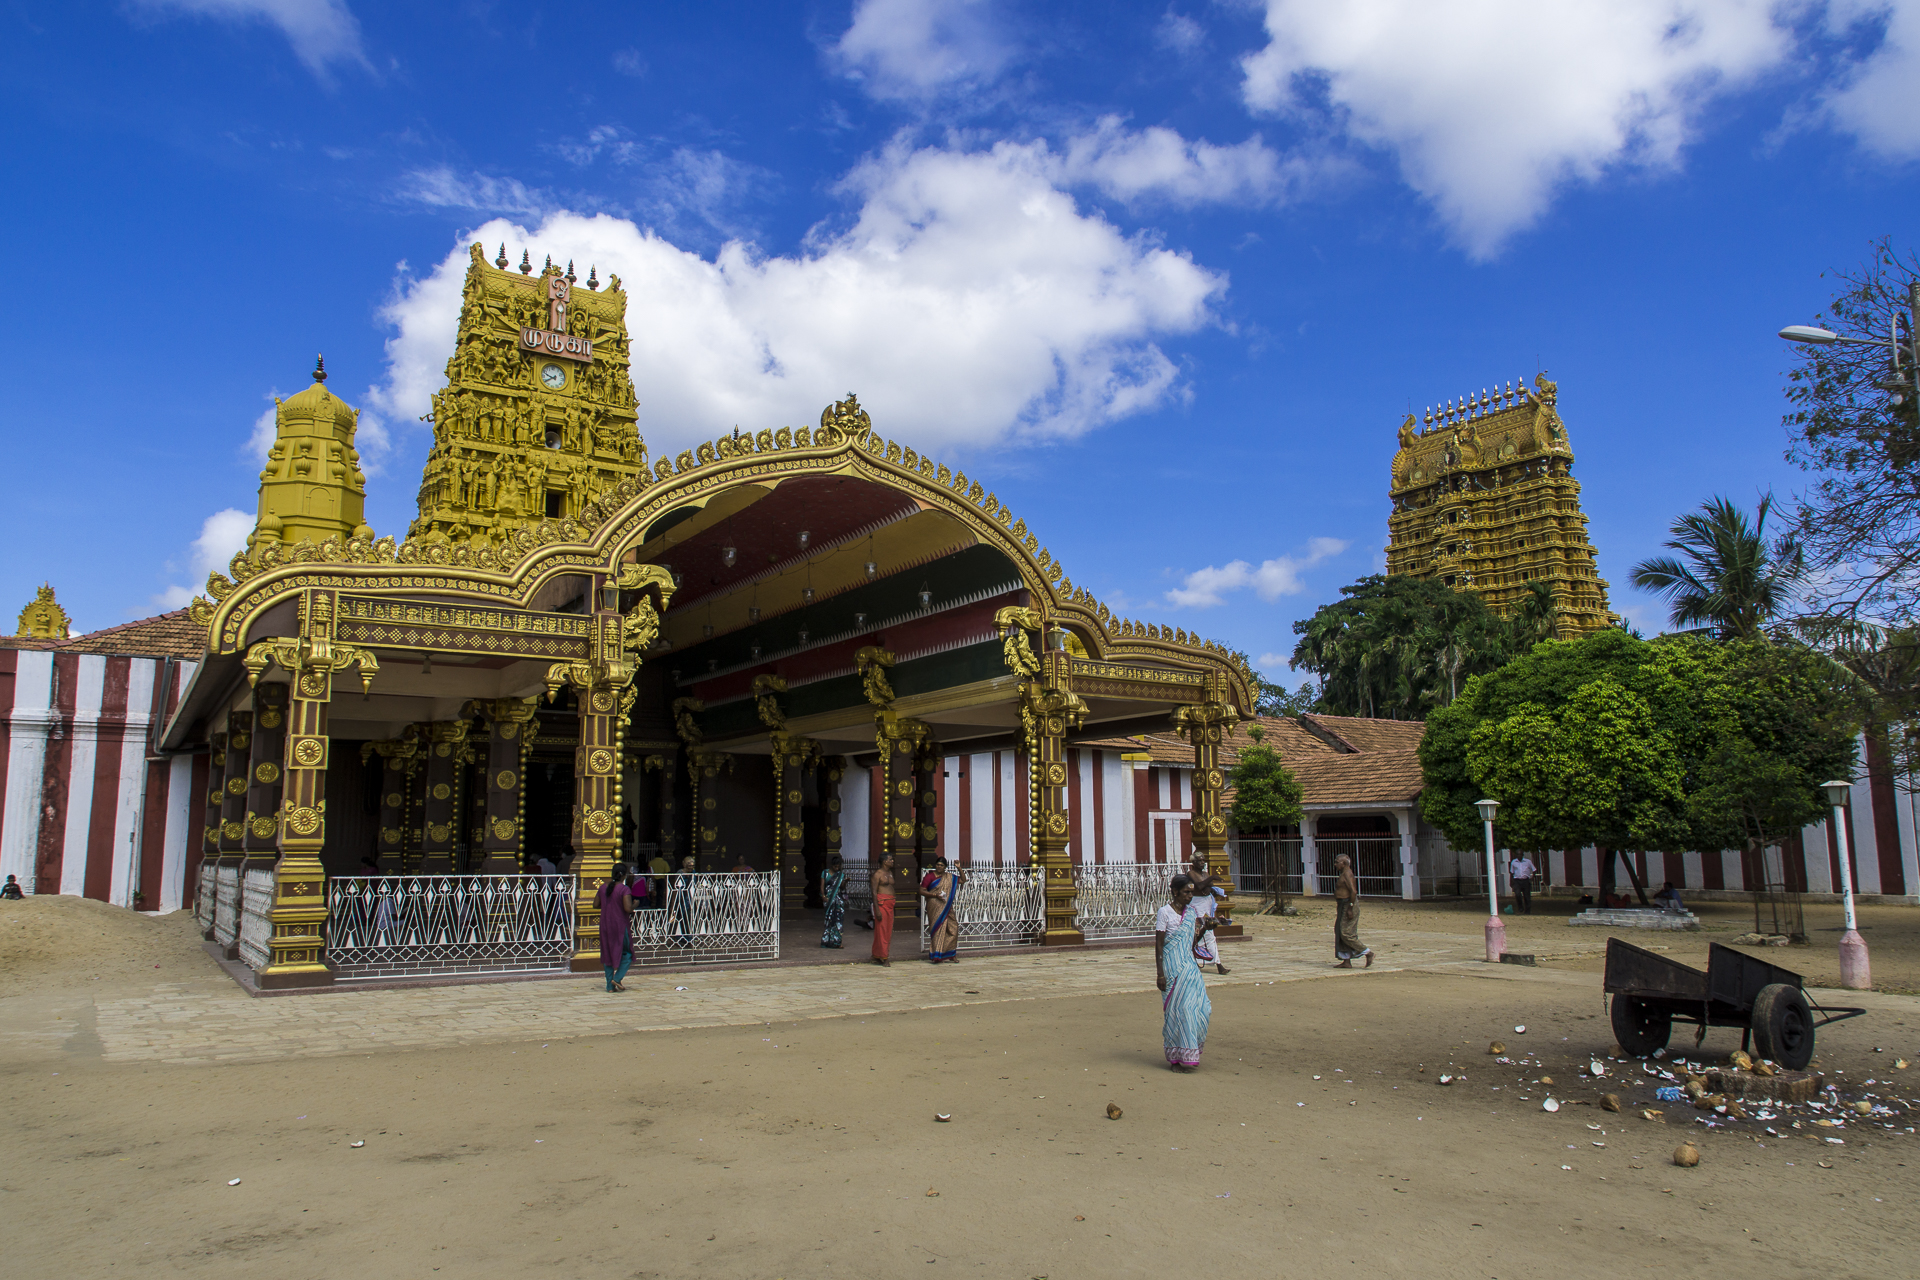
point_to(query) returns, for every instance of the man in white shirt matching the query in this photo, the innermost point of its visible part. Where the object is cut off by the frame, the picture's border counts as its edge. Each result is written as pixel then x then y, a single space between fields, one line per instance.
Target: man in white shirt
pixel 1520 871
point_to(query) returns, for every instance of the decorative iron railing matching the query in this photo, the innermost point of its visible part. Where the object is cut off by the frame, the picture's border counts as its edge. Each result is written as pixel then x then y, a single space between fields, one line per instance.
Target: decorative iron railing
pixel 996 907
pixel 711 917
pixel 399 926
pixel 1376 865
pixel 226 905
pixel 1120 900
pixel 203 898
pixel 256 926
pixel 1269 871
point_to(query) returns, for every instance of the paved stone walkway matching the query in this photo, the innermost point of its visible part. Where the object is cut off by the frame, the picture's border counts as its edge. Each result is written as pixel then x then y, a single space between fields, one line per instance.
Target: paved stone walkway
pixel 216 1022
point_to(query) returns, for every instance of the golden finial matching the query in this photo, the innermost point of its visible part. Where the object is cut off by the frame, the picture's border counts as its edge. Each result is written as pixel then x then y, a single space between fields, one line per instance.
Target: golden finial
pixel 319 368
pixel 501 261
pixel 526 263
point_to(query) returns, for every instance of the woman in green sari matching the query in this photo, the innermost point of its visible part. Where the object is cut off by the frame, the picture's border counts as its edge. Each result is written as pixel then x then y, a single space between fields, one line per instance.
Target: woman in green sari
pixel 833 896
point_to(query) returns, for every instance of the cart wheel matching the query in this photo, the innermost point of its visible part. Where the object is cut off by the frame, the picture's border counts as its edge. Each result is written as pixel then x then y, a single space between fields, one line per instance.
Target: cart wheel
pixel 1783 1026
pixel 1640 1027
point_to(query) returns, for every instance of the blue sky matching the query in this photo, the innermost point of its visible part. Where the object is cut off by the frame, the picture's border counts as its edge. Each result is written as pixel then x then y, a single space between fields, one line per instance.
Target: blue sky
pixel 1165 277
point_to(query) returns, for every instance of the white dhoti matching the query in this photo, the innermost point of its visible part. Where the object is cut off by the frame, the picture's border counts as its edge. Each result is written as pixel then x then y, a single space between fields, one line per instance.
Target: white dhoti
pixel 1203 941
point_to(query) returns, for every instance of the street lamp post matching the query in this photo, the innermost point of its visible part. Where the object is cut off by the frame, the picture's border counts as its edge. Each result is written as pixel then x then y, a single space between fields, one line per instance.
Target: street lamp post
pixel 1496 931
pixel 1854 971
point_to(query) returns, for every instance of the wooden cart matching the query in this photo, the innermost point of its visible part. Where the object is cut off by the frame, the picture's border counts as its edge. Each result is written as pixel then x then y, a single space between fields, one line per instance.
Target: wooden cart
pixel 1769 1004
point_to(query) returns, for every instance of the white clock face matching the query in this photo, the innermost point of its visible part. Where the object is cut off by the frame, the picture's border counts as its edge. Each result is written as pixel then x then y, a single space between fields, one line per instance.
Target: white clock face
pixel 554 376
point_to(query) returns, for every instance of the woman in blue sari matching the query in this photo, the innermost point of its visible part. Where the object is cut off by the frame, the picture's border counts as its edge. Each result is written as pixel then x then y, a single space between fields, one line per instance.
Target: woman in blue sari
pixel 1186 1007
pixel 833 896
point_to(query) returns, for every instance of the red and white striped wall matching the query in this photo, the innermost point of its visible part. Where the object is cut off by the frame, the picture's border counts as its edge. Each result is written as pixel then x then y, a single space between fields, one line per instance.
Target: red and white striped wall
pixel 1116 812
pixel 83 810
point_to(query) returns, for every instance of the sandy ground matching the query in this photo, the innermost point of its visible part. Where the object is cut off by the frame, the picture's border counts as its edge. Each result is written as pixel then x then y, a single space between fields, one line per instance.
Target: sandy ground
pixel 1892 934
pixel 810 1149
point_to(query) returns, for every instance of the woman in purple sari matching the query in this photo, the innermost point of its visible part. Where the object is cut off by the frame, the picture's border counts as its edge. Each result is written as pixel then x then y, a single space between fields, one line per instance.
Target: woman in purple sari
pixel 615 902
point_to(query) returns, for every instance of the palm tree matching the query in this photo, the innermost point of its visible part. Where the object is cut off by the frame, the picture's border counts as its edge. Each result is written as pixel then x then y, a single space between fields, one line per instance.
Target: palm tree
pixel 1733 579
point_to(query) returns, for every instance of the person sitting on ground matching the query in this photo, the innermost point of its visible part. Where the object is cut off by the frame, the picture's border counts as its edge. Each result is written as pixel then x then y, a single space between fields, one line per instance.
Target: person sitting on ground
pixel 11 891
pixel 1669 898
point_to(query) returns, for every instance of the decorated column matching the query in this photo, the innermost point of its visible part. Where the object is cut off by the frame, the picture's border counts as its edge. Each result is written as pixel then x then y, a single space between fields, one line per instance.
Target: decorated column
pixel 233 827
pixel 262 838
pixel 832 770
pixel 299 911
pixel 600 685
pixel 1204 725
pixel 210 830
pixel 439 804
pixel 510 730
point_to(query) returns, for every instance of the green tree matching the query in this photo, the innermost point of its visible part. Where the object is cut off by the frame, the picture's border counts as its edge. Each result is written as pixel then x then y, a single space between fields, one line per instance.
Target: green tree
pixel 1266 794
pixel 1859 432
pixel 1676 743
pixel 1728 576
pixel 1396 647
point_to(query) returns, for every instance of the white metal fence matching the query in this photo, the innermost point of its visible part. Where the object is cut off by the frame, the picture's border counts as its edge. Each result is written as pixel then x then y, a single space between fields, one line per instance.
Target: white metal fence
pixel 1120 900
pixel 711 917
pixel 1376 864
pixel 256 926
pixel 996 907
pixel 226 905
pixel 400 926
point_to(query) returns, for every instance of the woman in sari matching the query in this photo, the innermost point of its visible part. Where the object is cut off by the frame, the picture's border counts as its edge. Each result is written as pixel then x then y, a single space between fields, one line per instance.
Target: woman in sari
pixel 615 904
pixel 1185 1005
pixel 833 896
pixel 941 889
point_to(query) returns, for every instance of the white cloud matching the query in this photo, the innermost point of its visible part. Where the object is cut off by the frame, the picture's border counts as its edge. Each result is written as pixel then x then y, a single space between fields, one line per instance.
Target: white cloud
pixel 970 301
pixel 1492 105
pixel 1178 33
pixel 1158 163
pixel 442 188
pixel 1879 103
pixel 1270 579
pixel 222 535
pixel 919 49
pixel 265 428
pixel 322 32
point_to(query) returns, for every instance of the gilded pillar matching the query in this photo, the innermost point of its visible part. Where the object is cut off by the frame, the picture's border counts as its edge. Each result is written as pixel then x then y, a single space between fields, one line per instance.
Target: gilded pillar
pixel 703 768
pixel 510 731
pixel 927 763
pixel 790 752
pixel 233 824
pixel 832 770
pixel 1046 714
pixel 439 804
pixel 261 838
pixel 1205 725
pixel 299 912
pixel 602 685
pixel 210 828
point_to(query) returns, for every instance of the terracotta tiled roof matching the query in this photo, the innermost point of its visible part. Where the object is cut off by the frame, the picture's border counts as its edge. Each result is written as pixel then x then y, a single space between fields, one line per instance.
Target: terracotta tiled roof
pixel 1367 777
pixel 169 635
pixel 1364 734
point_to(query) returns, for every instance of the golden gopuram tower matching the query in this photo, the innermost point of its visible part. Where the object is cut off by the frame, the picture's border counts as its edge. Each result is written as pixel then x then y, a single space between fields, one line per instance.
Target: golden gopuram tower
pixel 537 418
pixel 1484 499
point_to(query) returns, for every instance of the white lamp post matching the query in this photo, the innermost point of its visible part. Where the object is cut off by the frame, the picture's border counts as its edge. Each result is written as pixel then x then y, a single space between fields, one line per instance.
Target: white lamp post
pixel 1496 931
pixel 1854 971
